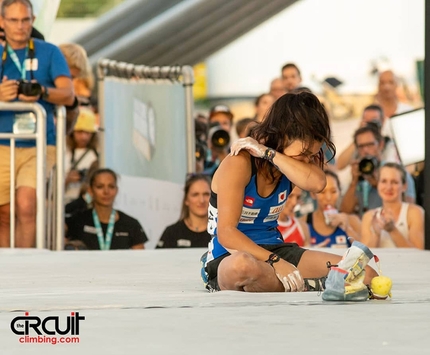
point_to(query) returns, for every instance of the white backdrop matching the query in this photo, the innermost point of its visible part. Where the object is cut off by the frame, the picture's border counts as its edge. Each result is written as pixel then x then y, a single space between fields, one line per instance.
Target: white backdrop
pixel 324 38
pixel 46 12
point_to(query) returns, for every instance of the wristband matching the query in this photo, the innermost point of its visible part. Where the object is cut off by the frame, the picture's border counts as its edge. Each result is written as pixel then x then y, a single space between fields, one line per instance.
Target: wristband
pixel 74 105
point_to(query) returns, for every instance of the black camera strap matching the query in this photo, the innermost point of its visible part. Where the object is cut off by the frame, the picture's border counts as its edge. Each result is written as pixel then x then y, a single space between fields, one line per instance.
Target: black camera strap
pixel 30 53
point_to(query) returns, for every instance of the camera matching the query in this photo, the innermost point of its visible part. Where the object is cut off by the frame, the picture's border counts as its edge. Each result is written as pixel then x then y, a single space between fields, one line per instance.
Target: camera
pixel 83 173
pixel 29 88
pixel 219 137
pixel 201 150
pixel 367 165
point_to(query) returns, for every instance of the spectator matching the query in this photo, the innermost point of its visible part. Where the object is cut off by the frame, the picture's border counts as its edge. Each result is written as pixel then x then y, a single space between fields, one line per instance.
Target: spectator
pixel 291 78
pixel 361 194
pixel 244 126
pixel 81 153
pixel 396 223
pixel 83 202
pixel 247 252
pixel 328 227
pixel 43 64
pixel 221 114
pixel 220 121
pixel 34 33
pixel 80 69
pixel 83 81
pixel 277 88
pixel 374 116
pixel 191 229
pixel 102 227
pixel 201 136
pixel 293 229
pixel 387 98
pixel 262 105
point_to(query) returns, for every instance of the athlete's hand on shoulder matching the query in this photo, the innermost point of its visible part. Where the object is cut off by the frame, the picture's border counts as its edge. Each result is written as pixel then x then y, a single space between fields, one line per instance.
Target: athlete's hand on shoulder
pixel 289 276
pixel 8 89
pixel 250 144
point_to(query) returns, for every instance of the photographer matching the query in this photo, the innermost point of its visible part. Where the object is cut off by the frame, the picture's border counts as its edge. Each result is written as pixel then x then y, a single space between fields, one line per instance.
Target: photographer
pixel 201 136
pixel 362 194
pixel 81 153
pixel 373 116
pixel 219 145
pixel 31 71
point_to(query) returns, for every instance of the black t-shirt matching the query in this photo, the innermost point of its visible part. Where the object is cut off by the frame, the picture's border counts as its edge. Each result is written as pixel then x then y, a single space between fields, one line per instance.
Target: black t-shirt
pixel 75 207
pixel 127 231
pixel 178 235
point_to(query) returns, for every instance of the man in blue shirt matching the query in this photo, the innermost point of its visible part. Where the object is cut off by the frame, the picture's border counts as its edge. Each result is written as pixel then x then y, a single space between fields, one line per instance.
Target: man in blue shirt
pixel 26 59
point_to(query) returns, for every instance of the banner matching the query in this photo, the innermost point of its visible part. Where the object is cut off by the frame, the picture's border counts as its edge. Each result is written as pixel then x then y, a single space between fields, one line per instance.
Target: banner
pixel 145 143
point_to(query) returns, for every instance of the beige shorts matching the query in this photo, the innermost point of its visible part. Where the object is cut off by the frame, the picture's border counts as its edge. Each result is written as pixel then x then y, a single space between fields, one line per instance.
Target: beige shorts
pixel 25 168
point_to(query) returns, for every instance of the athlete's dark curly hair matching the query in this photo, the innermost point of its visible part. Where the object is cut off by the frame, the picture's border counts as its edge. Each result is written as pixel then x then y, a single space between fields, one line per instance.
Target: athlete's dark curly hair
pixel 294 116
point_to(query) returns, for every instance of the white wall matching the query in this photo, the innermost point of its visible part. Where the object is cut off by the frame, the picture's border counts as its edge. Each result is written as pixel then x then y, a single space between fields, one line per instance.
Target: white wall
pixel 324 38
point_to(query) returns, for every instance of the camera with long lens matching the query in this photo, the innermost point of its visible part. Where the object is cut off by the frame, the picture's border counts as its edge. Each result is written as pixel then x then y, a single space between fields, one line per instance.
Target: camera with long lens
pixel 367 165
pixel 201 150
pixel 219 137
pixel 29 88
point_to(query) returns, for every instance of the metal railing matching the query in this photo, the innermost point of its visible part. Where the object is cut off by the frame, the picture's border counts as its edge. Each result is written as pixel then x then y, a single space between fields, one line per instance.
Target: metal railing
pixel 55 189
pixel 56 213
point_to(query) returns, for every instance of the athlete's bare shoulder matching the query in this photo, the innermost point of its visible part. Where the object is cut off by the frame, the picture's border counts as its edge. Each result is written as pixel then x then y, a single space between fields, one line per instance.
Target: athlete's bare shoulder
pixel 234 169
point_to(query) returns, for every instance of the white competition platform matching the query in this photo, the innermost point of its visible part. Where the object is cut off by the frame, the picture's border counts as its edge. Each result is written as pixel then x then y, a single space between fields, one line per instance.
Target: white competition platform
pixel 152 302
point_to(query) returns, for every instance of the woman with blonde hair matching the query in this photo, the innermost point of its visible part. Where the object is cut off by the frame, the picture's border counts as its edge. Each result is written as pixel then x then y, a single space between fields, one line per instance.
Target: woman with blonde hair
pixel 80 69
pixel 396 223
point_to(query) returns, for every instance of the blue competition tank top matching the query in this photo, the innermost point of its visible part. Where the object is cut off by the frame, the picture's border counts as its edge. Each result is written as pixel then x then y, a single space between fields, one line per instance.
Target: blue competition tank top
pixel 259 218
pixel 338 239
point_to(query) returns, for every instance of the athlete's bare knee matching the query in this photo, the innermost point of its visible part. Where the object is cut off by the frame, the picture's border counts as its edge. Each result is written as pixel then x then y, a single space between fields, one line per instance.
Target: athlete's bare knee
pixel 234 271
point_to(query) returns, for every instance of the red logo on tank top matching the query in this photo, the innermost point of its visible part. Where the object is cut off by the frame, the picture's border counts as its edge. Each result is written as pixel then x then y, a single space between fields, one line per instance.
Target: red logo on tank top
pixel 249 201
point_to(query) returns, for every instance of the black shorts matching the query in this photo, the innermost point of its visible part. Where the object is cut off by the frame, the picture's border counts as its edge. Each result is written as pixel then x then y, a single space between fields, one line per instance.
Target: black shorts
pixel 290 252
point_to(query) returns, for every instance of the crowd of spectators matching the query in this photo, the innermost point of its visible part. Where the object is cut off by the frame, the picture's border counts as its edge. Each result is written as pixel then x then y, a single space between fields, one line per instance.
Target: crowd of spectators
pixel 378 206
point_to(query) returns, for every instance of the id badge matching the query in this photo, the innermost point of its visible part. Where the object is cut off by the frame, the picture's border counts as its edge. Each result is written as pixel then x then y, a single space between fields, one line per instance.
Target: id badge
pixel 24 123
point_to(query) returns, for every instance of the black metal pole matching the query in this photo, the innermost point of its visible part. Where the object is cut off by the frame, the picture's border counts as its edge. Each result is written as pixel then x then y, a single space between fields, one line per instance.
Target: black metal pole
pixel 427 124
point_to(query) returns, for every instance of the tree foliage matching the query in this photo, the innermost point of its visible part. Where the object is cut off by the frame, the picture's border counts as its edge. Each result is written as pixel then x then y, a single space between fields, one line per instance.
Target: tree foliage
pixel 85 8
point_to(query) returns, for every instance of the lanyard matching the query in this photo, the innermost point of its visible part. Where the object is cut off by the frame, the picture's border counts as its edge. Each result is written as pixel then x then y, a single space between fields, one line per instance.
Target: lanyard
pixel 29 51
pixel 366 190
pixel 16 61
pixel 104 244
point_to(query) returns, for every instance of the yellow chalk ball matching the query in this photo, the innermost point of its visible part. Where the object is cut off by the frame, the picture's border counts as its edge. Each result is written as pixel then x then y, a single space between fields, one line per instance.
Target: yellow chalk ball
pixel 381 287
